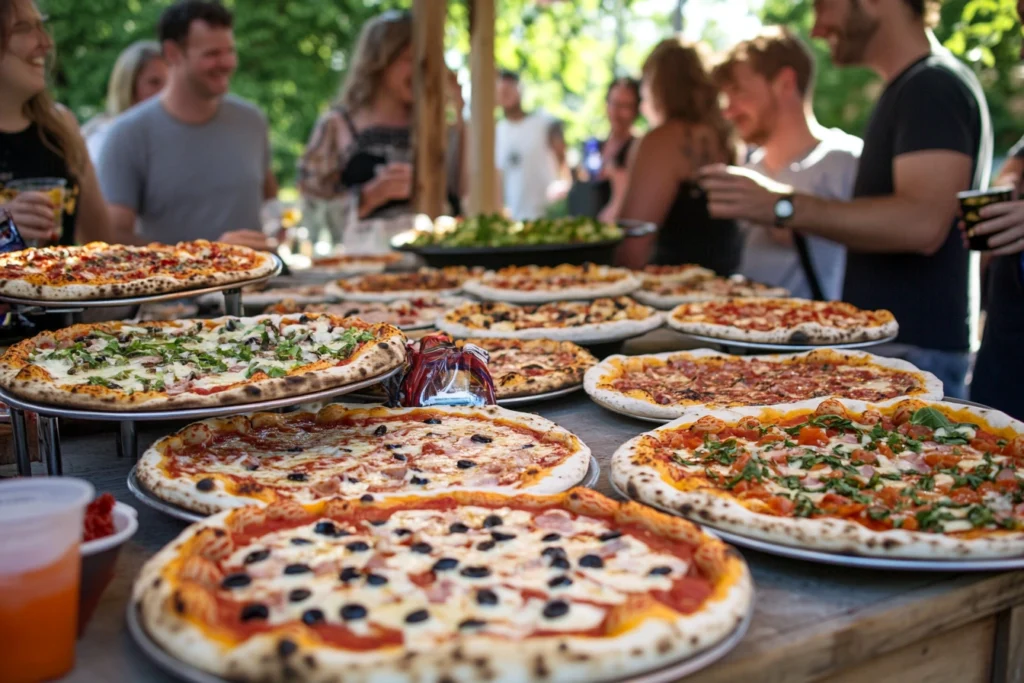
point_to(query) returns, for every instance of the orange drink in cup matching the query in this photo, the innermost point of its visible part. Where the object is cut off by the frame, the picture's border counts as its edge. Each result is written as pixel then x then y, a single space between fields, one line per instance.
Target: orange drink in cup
pixel 40 531
pixel 52 187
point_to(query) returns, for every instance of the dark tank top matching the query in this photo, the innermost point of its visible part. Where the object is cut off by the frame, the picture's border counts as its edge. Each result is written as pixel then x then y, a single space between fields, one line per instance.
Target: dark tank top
pixel 689 235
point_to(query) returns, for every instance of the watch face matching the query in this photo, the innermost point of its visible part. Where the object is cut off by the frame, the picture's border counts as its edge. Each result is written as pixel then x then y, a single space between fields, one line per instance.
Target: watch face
pixel 784 208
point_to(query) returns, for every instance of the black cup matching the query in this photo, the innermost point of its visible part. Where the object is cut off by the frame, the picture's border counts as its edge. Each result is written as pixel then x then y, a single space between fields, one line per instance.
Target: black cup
pixel 971 203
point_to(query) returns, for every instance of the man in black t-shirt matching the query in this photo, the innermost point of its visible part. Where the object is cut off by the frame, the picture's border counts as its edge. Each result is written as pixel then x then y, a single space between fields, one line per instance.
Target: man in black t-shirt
pixel 928 138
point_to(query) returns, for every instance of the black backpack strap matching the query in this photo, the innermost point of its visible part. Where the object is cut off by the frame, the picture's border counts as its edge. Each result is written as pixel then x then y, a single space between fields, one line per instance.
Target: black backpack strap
pixel 800 242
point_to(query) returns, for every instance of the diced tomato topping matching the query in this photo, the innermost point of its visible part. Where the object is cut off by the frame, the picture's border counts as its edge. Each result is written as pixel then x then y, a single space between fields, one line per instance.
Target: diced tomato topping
pixel 914 431
pixel 910 524
pixel 781 506
pixel 866 457
pixel 770 438
pixel 940 461
pixel 741 462
pixel 889 495
pixel 747 434
pixel 885 450
pixel 812 436
pixel 964 495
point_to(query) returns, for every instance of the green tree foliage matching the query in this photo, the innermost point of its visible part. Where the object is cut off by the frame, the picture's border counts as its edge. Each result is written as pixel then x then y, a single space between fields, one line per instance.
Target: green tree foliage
pixel 984 33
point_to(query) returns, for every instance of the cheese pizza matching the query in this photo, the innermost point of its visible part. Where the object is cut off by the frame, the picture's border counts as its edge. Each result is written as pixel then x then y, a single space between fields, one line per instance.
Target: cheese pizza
pixel 913 479
pixel 351 451
pixel 114 271
pixel 406 314
pixel 353 264
pixel 667 294
pixel 783 321
pixel 528 367
pixel 676 273
pixel 391 286
pixel 541 284
pixel 122 366
pixel 584 322
pixel 456 588
pixel 662 386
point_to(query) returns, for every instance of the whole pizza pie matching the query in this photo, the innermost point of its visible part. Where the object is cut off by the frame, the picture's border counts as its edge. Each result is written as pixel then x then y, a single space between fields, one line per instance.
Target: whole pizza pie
pixel 913 479
pixel 665 385
pixel 528 367
pixel 391 286
pixel 406 314
pixel 669 293
pixel 580 321
pixel 353 263
pixel 682 272
pixel 350 451
pixel 783 321
pixel 114 271
pixel 539 284
pixel 459 587
pixel 122 366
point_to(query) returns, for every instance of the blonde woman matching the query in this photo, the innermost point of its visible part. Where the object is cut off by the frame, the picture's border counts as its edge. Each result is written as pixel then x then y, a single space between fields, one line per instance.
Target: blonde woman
pixel 40 139
pixel 140 72
pixel 688 131
pixel 360 151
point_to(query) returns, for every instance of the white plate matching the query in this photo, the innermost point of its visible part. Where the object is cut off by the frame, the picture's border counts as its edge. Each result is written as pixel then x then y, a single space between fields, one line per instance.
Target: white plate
pixel 764 346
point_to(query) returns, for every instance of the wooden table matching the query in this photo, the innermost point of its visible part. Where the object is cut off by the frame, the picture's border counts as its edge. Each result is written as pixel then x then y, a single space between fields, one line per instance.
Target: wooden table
pixel 811 622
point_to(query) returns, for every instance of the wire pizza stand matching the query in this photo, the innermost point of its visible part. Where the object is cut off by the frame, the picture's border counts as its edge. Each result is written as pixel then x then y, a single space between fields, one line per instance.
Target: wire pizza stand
pixel 667 674
pixel 149 499
pixel 49 433
pixel 737 348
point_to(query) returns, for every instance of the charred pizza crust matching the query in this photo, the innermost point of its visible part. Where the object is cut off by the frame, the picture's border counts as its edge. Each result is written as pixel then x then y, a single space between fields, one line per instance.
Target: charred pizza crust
pixel 349 451
pixel 32 369
pixel 543 284
pixel 500 614
pixel 786 377
pixel 113 271
pixel 583 322
pixel 635 470
pixel 764 320
pixel 527 367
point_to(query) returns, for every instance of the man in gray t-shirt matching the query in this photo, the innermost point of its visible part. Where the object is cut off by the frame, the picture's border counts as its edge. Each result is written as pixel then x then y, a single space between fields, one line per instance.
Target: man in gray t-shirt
pixel 194 162
pixel 768 81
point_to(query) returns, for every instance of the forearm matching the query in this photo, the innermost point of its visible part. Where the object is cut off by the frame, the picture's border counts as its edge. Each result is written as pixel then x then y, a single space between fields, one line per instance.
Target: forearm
pixel 874 224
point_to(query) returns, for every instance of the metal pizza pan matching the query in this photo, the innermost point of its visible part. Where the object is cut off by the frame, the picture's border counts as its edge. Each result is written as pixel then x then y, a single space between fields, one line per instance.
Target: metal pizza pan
pixel 728 344
pixel 151 298
pixel 592 475
pixel 516 401
pixel 190 413
pixel 668 674
pixel 146 497
pixel 845 559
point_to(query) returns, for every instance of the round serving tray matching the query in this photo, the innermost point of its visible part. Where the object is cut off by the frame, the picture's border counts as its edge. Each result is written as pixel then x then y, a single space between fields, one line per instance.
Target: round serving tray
pixel 668 674
pixel 189 413
pixel 146 497
pixel 620 411
pixel 132 300
pixel 845 559
pixel 727 344
pixel 513 402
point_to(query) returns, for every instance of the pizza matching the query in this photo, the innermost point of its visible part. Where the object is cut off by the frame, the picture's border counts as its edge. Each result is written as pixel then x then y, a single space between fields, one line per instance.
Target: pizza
pixel 391 286
pixel 353 263
pixel 123 366
pixel 540 284
pixel 676 273
pixel 458 587
pixel 527 367
pixel 783 321
pixel 913 479
pixel 114 271
pixel 349 451
pixel 405 314
pixel 666 294
pixel 264 294
pixel 665 385
pixel 583 322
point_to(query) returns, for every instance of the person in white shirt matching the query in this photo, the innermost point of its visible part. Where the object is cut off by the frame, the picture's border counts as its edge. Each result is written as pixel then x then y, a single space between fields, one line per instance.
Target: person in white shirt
pixel 523 153
pixel 768 82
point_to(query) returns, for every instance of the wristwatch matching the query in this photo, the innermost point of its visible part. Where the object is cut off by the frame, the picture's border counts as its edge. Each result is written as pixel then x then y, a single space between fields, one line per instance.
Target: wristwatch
pixel 783 210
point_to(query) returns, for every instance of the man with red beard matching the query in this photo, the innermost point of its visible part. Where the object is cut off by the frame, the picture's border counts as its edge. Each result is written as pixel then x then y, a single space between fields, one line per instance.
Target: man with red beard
pixel 929 137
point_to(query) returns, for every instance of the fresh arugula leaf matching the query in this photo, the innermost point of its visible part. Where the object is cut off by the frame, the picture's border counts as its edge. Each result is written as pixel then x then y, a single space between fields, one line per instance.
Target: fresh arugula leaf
pixel 979 515
pixel 932 519
pixel 931 418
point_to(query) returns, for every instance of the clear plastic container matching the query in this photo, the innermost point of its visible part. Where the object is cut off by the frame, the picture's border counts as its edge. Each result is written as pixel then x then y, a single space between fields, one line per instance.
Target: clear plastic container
pixel 40 532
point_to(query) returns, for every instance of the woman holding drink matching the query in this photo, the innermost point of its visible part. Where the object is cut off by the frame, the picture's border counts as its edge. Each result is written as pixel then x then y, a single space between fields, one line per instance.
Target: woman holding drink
pixel 46 179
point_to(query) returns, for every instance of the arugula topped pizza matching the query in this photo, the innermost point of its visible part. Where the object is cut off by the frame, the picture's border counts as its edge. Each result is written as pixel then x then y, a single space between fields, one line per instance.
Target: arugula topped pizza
pixel 913 479
pixel 111 271
pixel 125 366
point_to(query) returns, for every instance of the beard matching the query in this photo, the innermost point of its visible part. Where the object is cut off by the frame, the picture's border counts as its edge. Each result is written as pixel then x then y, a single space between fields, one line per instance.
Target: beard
pixel 763 125
pixel 852 41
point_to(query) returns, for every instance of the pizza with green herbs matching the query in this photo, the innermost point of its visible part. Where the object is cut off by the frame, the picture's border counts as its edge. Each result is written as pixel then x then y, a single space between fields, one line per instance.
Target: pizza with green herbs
pixel 914 479
pixel 125 366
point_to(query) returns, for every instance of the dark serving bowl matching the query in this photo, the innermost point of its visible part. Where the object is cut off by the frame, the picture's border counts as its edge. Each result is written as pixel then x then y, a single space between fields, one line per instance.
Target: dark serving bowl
pixel 492 258
pixel 99 559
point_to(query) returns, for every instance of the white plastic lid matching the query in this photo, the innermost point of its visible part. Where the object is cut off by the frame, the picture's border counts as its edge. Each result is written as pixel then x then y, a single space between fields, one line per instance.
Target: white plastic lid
pixel 40 519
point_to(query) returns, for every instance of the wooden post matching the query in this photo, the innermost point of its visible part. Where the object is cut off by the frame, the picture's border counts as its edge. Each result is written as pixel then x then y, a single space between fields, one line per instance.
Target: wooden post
pixel 429 129
pixel 483 189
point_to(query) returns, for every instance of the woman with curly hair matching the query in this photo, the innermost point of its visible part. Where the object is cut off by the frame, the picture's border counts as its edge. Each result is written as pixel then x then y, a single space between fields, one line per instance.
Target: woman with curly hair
pixel 688 131
pixel 361 151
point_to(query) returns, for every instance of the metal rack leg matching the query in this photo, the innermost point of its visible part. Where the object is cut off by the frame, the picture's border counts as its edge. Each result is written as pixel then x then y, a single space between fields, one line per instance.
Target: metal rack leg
pixel 233 302
pixel 49 442
pixel 128 441
pixel 21 452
